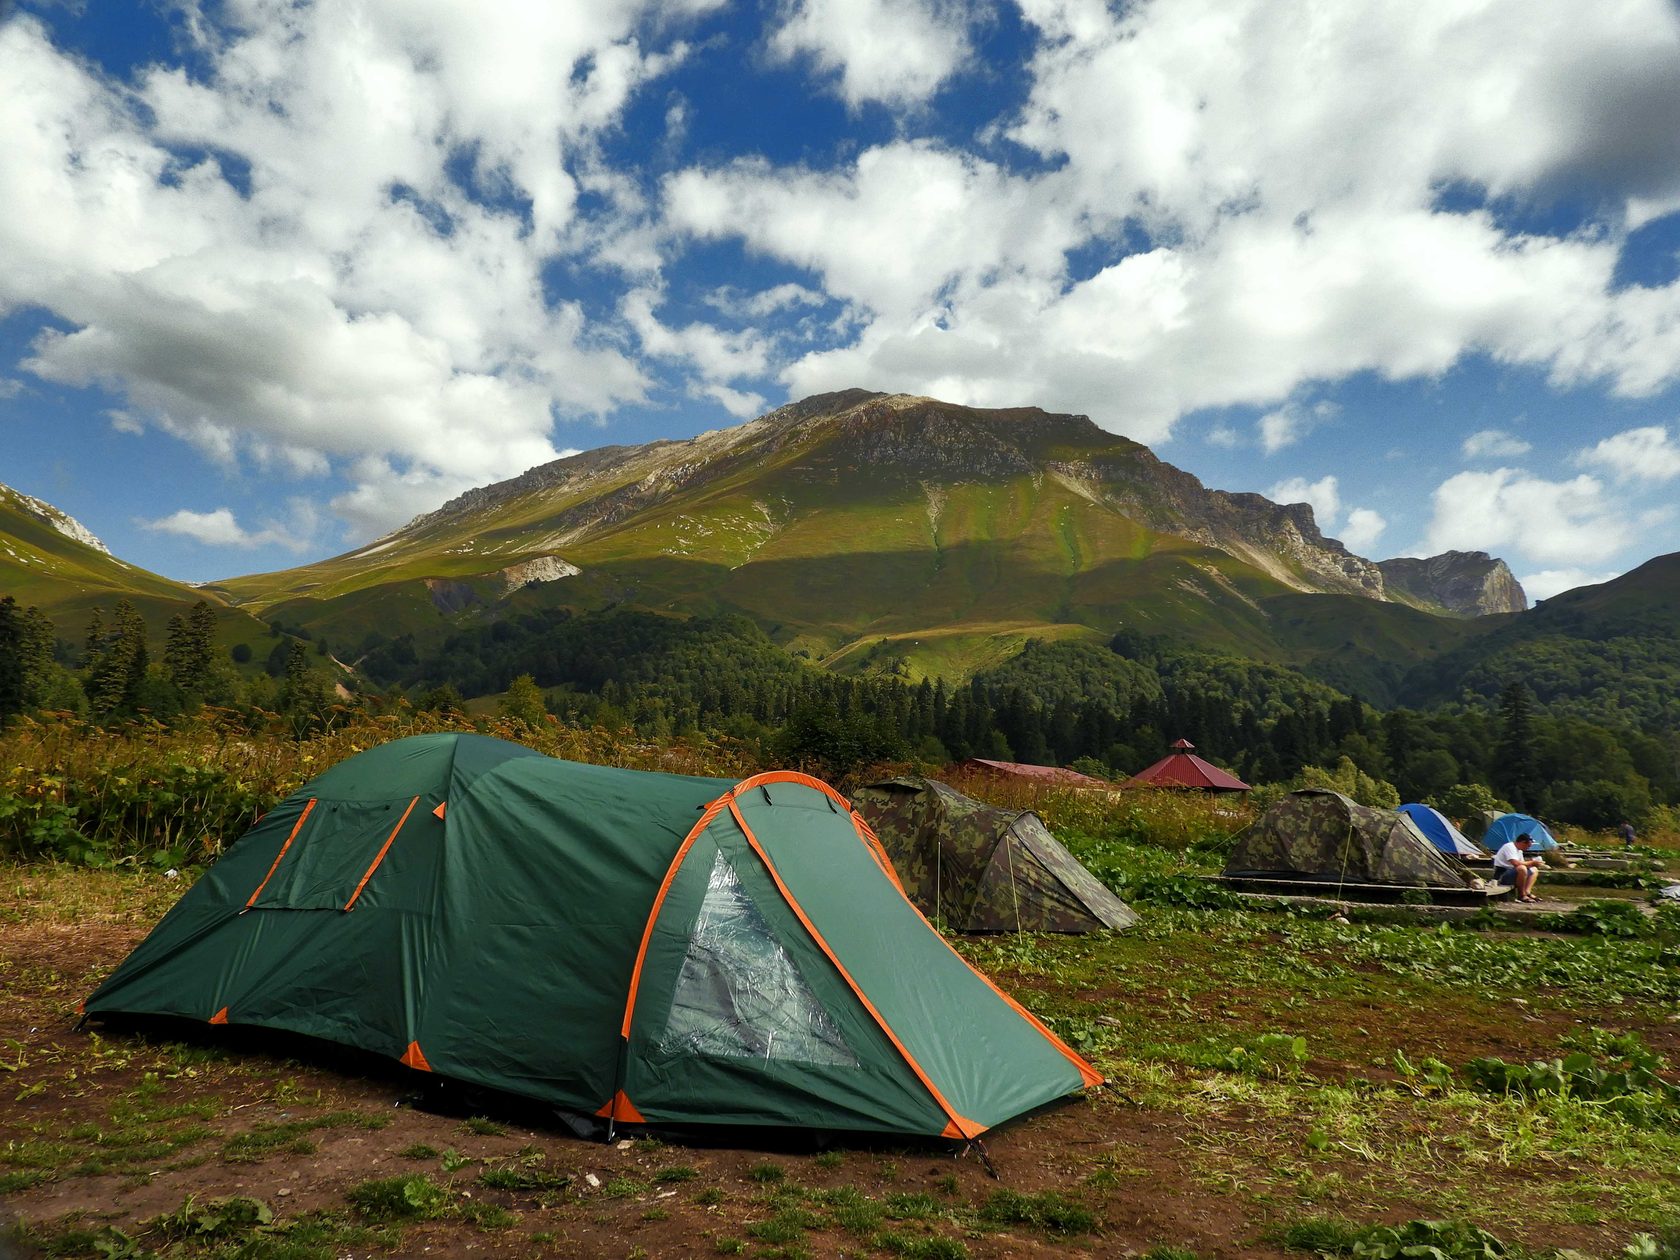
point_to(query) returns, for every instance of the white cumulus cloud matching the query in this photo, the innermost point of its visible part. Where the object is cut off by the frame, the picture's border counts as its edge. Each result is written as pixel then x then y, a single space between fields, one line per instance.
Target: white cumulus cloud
pixel 221 528
pixel 895 51
pixel 1362 529
pixel 1644 454
pixel 327 245
pixel 1324 495
pixel 1286 163
pixel 1560 524
pixel 1495 444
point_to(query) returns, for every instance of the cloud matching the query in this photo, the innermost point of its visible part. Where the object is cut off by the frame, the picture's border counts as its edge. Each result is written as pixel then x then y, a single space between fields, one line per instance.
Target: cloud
pixel 1224 435
pixel 1290 423
pixel 220 528
pixel 1495 444
pixel 895 51
pixel 330 245
pixel 1646 454
pixel 1362 530
pixel 717 354
pixel 1323 494
pixel 1562 524
pixel 1284 166
pixel 739 304
pixel 1549 582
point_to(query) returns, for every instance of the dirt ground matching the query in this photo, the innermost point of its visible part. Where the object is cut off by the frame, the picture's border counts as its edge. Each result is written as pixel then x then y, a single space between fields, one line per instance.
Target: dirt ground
pixel 117 1127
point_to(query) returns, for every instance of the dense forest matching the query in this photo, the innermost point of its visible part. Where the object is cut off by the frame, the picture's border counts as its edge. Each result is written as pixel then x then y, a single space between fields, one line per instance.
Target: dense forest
pixel 1109 709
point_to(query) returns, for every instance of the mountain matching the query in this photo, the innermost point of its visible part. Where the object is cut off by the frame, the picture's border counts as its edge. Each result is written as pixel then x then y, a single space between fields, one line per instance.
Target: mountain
pixel 50 560
pixel 881 532
pixel 1609 653
pixel 1464 583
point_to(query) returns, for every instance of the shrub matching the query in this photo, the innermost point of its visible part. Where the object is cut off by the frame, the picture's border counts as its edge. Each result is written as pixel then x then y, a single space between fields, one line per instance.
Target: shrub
pixel 413 1197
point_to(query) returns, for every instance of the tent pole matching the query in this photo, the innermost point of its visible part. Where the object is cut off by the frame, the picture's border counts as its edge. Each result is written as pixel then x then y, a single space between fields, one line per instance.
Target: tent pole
pixel 938 879
pixel 618 1085
pixel 1014 892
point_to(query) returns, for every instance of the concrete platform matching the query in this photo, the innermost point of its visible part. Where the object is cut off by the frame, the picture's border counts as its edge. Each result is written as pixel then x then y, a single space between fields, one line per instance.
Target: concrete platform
pixel 1341 890
pixel 1514 915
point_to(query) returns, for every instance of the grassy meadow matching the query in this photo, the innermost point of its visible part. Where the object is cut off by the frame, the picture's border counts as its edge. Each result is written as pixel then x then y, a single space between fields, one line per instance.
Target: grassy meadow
pixel 1279 1084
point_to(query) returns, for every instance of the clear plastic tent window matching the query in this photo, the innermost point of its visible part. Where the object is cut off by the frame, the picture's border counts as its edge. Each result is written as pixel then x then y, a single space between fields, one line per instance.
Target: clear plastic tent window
pixel 739 995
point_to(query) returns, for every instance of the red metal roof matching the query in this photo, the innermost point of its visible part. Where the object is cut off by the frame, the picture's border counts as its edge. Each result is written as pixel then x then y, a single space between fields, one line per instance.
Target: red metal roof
pixel 1183 769
pixel 1037 774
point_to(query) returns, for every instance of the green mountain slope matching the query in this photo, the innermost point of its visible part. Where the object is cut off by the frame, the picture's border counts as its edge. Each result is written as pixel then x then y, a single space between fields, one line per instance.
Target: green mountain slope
pixel 1610 653
pixel 50 561
pixel 872 532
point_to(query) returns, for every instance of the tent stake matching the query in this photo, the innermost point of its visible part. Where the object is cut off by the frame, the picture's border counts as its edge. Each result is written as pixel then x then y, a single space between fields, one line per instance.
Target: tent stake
pixel 979 1148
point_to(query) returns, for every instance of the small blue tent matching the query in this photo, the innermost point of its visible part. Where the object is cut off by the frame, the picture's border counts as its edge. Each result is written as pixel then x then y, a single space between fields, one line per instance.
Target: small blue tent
pixel 1510 826
pixel 1441 833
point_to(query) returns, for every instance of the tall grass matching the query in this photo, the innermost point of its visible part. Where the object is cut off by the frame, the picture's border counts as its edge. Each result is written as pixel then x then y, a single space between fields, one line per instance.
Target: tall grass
pixel 171 796
pixel 1166 819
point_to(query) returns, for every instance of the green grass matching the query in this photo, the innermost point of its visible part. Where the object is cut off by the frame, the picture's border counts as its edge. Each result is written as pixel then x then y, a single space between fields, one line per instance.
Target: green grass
pixel 291 1136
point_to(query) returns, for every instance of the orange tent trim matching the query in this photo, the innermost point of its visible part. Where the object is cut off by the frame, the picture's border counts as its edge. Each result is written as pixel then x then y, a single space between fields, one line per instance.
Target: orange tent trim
pixel 220 1017
pixel 380 856
pixel 296 827
pixel 414 1059
pixel 878 851
pixel 694 833
pixel 621 1109
pixel 438 812
pixel 711 812
pixel 963 1127
pixel 1087 1074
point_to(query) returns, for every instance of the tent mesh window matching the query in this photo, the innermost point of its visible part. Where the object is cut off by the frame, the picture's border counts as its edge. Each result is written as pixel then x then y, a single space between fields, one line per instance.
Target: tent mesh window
pixel 739 995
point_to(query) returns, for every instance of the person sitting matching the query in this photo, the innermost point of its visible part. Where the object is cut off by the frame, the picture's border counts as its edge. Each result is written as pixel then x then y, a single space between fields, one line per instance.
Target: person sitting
pixel 1513 867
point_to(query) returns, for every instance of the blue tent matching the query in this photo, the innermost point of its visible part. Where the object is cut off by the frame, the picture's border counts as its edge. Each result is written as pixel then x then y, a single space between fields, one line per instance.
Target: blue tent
pixel 1440 832
pixel 1510 826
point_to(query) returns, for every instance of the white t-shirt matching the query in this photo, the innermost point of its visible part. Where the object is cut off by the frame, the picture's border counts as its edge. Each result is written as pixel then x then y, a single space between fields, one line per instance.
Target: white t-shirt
pixel 1508 855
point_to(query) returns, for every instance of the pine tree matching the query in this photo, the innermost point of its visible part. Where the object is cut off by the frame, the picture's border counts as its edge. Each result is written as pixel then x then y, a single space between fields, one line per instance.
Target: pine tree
pixel 1516 771
pixel 119 668
pixel 201 639
pixel 177 656
pixel 13 681
pixel 93 645
pixel 302 699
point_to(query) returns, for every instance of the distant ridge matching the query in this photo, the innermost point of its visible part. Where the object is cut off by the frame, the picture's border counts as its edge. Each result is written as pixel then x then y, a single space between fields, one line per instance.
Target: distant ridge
pixel 874 531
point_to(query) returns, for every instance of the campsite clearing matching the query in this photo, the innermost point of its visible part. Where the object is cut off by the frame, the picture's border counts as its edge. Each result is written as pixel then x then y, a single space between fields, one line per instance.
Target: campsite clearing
pixel 1269 1071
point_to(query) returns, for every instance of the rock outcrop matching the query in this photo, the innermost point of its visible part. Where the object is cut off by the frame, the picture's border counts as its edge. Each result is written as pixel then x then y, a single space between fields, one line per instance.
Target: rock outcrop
pixel 47 514
pixel 538 569
pixel 1465 583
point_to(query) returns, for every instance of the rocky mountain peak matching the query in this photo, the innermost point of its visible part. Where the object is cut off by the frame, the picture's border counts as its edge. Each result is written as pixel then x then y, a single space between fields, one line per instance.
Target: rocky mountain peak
pixel 879 444
pixel 48 515
pixel 1466 583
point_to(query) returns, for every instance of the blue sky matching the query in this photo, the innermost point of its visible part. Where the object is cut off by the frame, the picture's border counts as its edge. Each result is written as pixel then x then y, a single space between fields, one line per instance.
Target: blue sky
pixel 277 276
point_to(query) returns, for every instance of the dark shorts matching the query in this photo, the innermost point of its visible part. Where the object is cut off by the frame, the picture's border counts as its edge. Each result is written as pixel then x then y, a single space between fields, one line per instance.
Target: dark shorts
pixel 1506 875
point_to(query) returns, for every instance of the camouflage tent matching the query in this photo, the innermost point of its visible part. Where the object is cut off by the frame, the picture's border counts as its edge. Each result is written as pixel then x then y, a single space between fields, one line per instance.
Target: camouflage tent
pixel 984 869
pixel 1317 835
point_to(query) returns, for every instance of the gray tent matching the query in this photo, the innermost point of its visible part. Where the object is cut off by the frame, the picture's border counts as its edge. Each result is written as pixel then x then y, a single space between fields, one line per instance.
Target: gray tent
pixel 984 869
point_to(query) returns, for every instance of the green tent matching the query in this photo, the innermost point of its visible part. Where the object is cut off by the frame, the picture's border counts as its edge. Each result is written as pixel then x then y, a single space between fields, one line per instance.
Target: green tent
pixel 1319 836
pixel 984 869
pixel 644 947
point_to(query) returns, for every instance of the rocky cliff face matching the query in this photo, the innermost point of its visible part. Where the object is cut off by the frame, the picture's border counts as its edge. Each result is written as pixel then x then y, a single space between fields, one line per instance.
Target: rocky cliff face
pixel 925 447
pixel 886 438
pixel 47 514
pixel 1466 583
